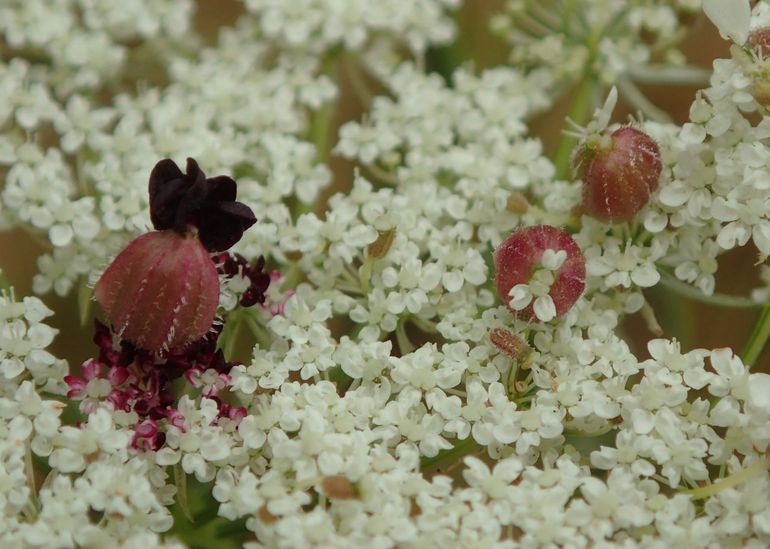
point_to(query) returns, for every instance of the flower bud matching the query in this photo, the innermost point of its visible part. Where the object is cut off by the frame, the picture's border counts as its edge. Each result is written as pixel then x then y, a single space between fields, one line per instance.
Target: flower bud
pixel 161 292
pixel 759 42
pixel 620 171
pixel 517 203
pixel 380 247
pixel 759 39
pixel 539 272
pixel 338 487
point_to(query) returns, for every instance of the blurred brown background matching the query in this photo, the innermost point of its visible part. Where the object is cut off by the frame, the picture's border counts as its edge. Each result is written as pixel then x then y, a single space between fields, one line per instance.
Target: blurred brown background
pixel 694 324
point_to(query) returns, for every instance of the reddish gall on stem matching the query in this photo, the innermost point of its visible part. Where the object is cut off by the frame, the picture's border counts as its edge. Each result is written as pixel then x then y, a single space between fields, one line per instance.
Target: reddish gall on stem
pixel 620 172
pixel 518 258
pixel 161 292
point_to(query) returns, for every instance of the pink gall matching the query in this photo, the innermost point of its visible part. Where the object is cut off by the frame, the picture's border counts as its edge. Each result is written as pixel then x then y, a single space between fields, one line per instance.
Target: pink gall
pixel 517 259
pixel 620 172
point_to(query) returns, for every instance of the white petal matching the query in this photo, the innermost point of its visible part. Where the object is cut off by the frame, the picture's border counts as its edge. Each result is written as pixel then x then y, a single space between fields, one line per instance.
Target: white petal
pixel 60 235
pixel 553 259
pixel 544 308
pixel 603 115
pixel 761 236
pixel 759 392
pixel 645 276
pixel 731 17
pixel 521 296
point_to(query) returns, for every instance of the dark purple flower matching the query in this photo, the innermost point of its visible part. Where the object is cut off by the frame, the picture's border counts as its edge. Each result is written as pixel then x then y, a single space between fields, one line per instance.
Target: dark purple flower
pixel 135 380
pixel 231 265
pixel 191 201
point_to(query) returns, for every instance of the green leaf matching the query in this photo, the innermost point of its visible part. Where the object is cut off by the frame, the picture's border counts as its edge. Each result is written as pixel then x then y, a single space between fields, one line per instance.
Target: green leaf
pixel 180 479
pixel 85 303
pixel 5 284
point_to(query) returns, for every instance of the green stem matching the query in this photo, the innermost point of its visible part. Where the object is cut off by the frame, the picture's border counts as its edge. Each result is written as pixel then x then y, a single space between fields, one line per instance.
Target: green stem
pixel 292 277
pixel 5 284
pixel 259 332
pixel 29 470
pixel 404 345
pixel 733 480
pixel 229 336
pixel 721 300
pixel 639 101
pixel 582 107
pixel 461 448
pixel 383 177
pixel 582 434
pixel 180 479
pixel 339 378
pixel 758 339
pixel 320 126
pixel 85 302
pixel 365 274
pixel 319 132
pixel 358 83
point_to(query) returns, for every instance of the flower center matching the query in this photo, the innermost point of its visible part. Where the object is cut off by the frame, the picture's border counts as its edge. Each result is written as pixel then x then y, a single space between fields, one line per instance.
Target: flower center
pixel 538 288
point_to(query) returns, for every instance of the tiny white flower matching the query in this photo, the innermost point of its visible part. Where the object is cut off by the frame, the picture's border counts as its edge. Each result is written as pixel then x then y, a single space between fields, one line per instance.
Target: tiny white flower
pixel 553 259
pixel 759 392
pixel 521 296
pixel 544 308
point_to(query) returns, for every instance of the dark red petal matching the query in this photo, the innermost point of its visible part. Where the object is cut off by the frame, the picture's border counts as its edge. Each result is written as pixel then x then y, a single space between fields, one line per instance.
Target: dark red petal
pixel 77 387
pixel 194 173
pixel 166 189
pixel 163 207
pixel 164 171
pixel 225 226
pixel 222 188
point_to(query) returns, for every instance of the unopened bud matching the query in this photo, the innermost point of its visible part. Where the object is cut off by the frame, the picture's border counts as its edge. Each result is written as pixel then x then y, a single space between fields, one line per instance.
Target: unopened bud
pixel 759 41
pixel 338 487
pixel 266 516
pixel 517 203
pixel 380 247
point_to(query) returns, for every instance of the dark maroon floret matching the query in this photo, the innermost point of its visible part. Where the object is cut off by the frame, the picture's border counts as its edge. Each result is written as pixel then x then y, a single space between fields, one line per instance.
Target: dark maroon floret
pixel 190 201
pixel 231 265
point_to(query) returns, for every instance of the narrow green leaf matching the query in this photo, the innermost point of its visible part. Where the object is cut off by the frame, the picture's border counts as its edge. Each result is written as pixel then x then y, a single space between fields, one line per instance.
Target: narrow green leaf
pixel 5 284
pixel 85 303
pixel 180 479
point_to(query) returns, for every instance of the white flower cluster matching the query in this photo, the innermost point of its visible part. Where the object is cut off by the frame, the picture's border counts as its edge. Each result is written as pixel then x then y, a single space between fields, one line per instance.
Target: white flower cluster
pixel 539 286
pixel 88 42
pixel 320 25
pixel 89 192
pixel 23 342
pixel 602 37
pixel 128 495
pixel 391 399
pixel 716 196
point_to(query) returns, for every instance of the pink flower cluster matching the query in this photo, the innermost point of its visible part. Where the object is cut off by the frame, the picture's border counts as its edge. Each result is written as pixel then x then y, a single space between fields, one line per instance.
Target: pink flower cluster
pixel 133 380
